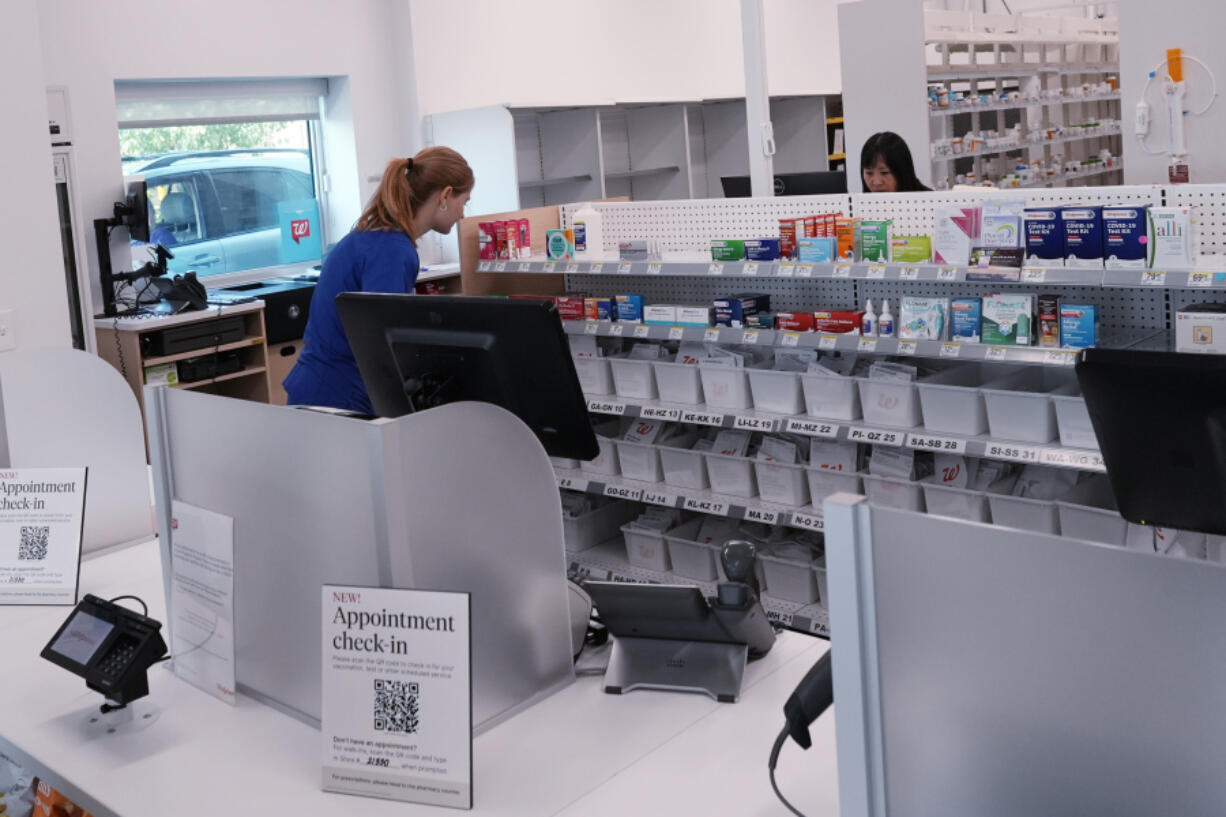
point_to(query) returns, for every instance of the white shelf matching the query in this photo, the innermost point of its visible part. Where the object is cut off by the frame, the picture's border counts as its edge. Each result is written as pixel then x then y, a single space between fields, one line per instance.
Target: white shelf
pixel 650 171
pixel 1013 106
pixel 953 73
pixel 1059 140
pixel 583 177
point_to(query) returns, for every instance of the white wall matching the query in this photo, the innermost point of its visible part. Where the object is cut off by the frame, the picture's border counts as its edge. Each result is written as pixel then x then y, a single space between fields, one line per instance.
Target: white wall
pixel 32 282
pixel 1146 31
pixel 88 45
pixel 476 53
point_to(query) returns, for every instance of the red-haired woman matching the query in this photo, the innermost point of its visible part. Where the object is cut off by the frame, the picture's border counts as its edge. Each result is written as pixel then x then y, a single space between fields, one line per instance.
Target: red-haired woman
pixel 426 192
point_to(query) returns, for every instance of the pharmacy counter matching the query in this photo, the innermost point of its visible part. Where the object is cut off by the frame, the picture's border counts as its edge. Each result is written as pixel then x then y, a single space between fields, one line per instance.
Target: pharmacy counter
pixel 579 752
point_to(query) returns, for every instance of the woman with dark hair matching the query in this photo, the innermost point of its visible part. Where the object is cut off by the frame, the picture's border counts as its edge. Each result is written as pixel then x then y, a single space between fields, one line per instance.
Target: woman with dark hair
pixel 886 166
pixel 426 192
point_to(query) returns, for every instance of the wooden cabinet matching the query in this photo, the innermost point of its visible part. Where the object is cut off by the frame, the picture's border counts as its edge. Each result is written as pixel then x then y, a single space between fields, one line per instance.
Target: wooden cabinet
pixel 122 343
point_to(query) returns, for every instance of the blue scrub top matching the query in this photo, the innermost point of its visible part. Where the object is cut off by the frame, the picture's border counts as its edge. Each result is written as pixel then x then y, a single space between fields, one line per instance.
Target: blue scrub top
pixel 363 261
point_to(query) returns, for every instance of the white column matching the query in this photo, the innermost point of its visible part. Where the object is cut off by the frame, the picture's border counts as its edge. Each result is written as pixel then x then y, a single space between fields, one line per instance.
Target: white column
pixel 757 101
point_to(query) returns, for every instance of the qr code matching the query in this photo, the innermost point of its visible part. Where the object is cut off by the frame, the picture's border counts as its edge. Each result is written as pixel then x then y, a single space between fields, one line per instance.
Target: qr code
pixel 396 706
pixel 33 545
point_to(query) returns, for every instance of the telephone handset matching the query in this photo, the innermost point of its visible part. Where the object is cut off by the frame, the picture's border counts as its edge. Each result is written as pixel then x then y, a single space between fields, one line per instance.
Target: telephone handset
pixel 109 646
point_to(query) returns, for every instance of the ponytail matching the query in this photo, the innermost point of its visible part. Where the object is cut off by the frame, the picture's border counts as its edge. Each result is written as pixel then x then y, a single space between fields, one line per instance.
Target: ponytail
pixel 408 183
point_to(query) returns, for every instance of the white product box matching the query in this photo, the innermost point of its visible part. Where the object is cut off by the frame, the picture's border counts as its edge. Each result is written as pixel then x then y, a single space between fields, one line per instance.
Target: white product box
pixel 1170 237
pixel 659 313
pixel 1201 329
pixel 695 315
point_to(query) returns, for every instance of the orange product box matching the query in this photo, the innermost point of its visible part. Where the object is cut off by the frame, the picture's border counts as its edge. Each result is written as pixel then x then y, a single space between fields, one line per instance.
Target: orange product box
pixel 837 323
pixel 845 233
pixel 794 321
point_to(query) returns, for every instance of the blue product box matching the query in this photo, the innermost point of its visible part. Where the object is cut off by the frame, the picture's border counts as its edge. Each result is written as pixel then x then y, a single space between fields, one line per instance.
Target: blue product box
pixel 965 319
pixel 1078 325
pixel 1044 235
pixel 1125 236
pixel 762 249
pixel 629 307
pixel 1083 236
pixel 731 311
pixel 816 250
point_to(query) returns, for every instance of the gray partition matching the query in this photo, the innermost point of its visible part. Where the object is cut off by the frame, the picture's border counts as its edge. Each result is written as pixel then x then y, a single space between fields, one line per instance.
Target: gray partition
pixel 457 498
pixel 987 671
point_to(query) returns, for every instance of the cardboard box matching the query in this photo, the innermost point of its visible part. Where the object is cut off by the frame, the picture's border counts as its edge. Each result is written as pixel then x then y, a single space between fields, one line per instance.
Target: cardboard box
pixel 1001 224
pixel 1170 237
pixel 695 315
pixel 729 249
pixel 1083 236
pixel 1007 319
pixel 761 320
pixel 1044 232
pixel 837 323
pixel 571 307
pixel 1125 237
pixel 911 249
pixel 599 309
pixel 660 314
pixel 1201 329
pixel 873 239
pixel 794 321
pixel 762 249
pixel 922 318
pixel 629 307
pixel 1079 326
pixel 955 232
pixel 845 238
pixel 815 250
pixel 1049 321
pixel 731 311
pixel 787 237
pixel 965 316
pixel 632 250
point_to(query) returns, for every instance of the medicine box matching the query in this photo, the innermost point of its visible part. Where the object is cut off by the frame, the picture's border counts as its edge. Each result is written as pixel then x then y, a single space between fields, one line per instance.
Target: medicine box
pixel 660 314
pixel 1170 237
pixel 1083 236
pixel 570 307
pixel 165 374
pixel 922 318
pixel 965 317
pixel 695 315
pixel 1001 224
pixel 760 320
pixel 1044 236
pixel 815 250
pixel 873 240
pixel 794 321
pixel 727 250
pixel 1007 319
pixel 955 232
pixel 632 250
pixel 599 309
pixel 1125 236
pixel 762 249
pixel 629 307
pixel 731 311
pixel 1201 328
pixel 837 323
pixel 845 238
pixel 911 249
pixel 1049 321
pixel 1079 325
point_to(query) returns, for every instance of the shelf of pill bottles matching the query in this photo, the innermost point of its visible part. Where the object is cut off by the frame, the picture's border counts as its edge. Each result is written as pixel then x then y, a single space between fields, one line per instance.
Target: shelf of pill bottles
pixel 1013 105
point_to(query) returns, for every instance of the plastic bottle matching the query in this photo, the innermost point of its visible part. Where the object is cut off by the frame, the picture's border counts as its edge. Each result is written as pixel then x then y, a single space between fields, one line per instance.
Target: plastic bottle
pixel 885 321
pixel 868 324
pixel 589 234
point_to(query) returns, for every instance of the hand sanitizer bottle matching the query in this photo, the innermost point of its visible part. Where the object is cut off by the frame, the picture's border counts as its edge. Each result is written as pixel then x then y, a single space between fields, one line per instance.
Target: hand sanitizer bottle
pixel 885 321
pixel 868 324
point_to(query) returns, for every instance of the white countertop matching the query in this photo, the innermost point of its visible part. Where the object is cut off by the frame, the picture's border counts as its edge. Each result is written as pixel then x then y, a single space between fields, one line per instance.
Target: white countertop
pixel 143 323
pixel 579 752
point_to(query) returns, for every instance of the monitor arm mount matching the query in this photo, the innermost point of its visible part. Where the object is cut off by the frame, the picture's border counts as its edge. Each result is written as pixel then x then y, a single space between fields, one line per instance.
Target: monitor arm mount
pixel 428 391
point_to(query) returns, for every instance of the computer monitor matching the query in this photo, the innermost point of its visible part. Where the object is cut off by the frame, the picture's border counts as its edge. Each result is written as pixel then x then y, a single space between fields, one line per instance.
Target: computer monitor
pixel 421 351
pixel 1160 419
pixel 136 197
pixel 813 183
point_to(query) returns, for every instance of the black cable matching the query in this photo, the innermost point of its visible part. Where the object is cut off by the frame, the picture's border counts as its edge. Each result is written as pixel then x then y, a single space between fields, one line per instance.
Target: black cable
pixel 779 741
pixel 123 364
pixel 134 598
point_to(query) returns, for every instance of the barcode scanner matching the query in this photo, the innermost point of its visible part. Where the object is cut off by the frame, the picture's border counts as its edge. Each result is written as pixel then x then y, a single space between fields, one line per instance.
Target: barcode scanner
pixel 736 602
pixel 740 559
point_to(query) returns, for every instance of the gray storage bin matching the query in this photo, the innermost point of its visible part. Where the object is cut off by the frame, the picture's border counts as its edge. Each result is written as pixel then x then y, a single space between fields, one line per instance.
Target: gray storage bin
pixel 959 503
pixel 782 484
pixel 1089 512
pixel 824 482
pixel 691 559
pixel 890 492
pixel 1019 404
pixel 733 476
pixel 951 401
pixel 633 378
pixel 1038 515
pixel 790 579
pixel 594 375
pixel 1072 418
pixel 683 467
pixel 776 391
pixel 598 525
pixel 831 397
pixel 646 548
pixel 889 402
pixel 678 382
pixel 725 387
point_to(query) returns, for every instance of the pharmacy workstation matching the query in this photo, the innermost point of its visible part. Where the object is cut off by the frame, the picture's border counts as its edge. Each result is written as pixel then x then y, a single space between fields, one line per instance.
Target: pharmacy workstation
pixel 399 418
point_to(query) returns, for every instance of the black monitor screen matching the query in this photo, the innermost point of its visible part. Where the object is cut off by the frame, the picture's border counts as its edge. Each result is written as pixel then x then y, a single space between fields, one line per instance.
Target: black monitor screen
pixel 82 637
pixel 421 351
pixel 813 183
pixel 137 199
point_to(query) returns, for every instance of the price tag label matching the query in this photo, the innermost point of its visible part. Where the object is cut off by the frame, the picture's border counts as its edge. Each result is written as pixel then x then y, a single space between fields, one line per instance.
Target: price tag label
pixel 947 274
pixel 572 267
pixel 676 332
pixel 660 413
pixel 750 268
pixel 606 406
pixel 702 418
pixel 484 266
pixel 1150 278
pixel 907 347
pixel 624 267
pixel 813 428
pixel 500 266
pixel 642 330
pixel 596 269
pixel 710 336
pixel 573 483
pixel 908 274
pixel 841 271
pixel 754 424
pixel 1034 275
pixel 762 515
pixel 1009 451
pixel 549 266
pixel 807 521
pixel 668 500
pixel 994 353
pixel 693 503
pixel 524 266
pixel 867 345
pixel 951 349
pixel 749 336
pixel 828 342
pixel 786 270
pixel 621 492
pixel 928 442
pixel 715 269
pixel 617 330
pixel 876 272
pixel 804 270
pixel 1059 358
pixel 591 328
pixel 1073 458
pixel 876 436
pixel 789 339
pixel 1200 279
pixel 655 268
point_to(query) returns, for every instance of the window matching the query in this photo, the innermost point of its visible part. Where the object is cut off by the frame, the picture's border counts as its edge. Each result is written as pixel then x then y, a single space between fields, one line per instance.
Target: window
pixel 227 166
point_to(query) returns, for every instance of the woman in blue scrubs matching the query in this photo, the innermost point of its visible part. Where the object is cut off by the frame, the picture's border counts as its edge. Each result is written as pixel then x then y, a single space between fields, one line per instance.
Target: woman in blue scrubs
pixel 426 192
